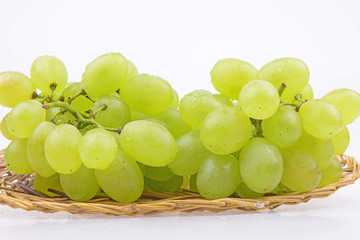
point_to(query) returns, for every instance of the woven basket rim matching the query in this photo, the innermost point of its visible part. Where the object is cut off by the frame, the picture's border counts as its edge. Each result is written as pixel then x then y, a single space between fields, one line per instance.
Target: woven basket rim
pixel 16 191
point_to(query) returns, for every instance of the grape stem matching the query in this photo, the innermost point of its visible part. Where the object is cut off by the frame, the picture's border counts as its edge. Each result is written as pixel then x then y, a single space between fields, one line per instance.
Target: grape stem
pixel 257 125
pixel 62 111
pixel 81 93
pixel 282 88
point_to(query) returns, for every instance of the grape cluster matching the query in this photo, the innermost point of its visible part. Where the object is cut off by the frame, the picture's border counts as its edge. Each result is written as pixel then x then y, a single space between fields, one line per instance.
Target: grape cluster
pixel 118 133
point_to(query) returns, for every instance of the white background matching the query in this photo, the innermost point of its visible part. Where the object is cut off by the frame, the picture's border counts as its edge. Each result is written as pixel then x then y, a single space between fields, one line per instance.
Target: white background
pixel 181 41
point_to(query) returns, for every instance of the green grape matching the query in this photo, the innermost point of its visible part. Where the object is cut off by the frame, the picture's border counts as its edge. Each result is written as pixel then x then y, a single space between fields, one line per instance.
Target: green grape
pixel 230 75
pixel 320 118
pixel 195 106
pixel 81 103
pixel 347 101
pixel 116 114
pixel 301 172
pixel 291 71
pixel 64 159
pixel 193 183
pixel 175 102
pixel 331 174
pixel 341 141
pixel 190 155
pixel 15 88
pixel 16 159
pixel 283 128
pixel 122 180
pixel 259 99
pixel 149 143
pixel 97 149
pixel 306 94
pixel 223 100
pixel 132 70
pixel 281 188
pixel 148 94
pixel 43 184
pixel 105 74
pixel 185 183
pixel 261 165
pixel 36 149
pixel 5 130
pixel 80 185
pixel 158 173
pixel 321 150
pixel 116 136
pixel 218 176
pixel 60 116
pixel 171 117
pixel 47 70
pixel 171 185
pixel 142 168
pixel 225 130
pixel 136 115
pixel 157 121
pixel 24 118
pixel 245 192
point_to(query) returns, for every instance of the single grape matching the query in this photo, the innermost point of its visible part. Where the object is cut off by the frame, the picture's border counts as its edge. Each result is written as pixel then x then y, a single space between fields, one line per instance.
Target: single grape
pixel 175 102
pixel 81 103
pixel 149 143
pixel 116 136
pixel 142 168
pixel 321 150
pixel 301 172
pixel 36 149
pixel 122 180
pixel 64 159
pixel 223 100
pixel 158 173
pixel 259 99
pixel 225 130
pixel 97 149
pixel 60 116
pixel 331 174
pixel 5 130
pixel 135 115
pixel 218 176
pixel 245 192
pixel 291 71
pixel 193 183
pixel 190 155
pixel 261 165
pixel 281 188
pixel 132 70
pixel 16 159
pixel 80 185
pixel 15 88
pixel 24 118
pixel 171 185
pixel 306 94
pixel 284 128
pixel 341 141
pixel 230 75
pixel 320 118
pixel 43 184
pixel 47 70
pixel 105 74
pixel 347 101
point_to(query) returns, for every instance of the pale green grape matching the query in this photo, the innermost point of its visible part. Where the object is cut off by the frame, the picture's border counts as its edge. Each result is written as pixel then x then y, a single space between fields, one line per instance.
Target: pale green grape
pixel 60 116
pixel 223 100
pixel 105 74
pixel 347 101
pixel 245 192
pixel 62 149
pixel 321 150
pixel 171 117
pixel 122 180
pixel 261 165
pixel 283 128
pixel 43 184
pixel 306 94
pixel 331 174
pixel 281 188
pixel 148 94
pixel 135 115
pixel 341 141
pixel 175 102
pixel 81 103
pixel 132 70
pixel 116 114
pixel 192 185
pixel 158 173
pixel 36 149
pixel 301 172
pixel 15 88
pixel 16 159
pixel 225 130
pixel 149 143
pixel 171 185
pixel 291 71
pixel 320 118
pixel 142 168
pixel 218 176
pixel 259 99
pixel 190 155
pixel 97 149
pixel 195 106
pixel 47 70
pixel 24 118
pixel 230 75
pixel 5 130
pixel 80 185
pixel 116 136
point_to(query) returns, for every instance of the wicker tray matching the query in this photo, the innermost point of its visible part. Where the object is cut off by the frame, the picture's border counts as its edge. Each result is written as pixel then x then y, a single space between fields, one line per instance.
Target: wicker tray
pixel 17 192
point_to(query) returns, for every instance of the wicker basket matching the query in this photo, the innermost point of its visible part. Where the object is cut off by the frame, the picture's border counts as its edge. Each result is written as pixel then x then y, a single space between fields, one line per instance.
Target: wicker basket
pixel 17 192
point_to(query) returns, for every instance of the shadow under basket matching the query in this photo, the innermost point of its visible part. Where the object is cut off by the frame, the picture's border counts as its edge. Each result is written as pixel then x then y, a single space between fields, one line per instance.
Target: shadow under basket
pixel 16 191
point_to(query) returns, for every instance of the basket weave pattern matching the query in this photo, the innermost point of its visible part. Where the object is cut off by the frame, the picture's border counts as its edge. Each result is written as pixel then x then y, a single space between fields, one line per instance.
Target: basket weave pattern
pixel 17 192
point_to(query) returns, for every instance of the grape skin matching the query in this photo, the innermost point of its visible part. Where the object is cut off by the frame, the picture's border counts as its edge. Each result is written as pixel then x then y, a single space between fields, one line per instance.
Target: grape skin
pixel 16 159
pixel 341 141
